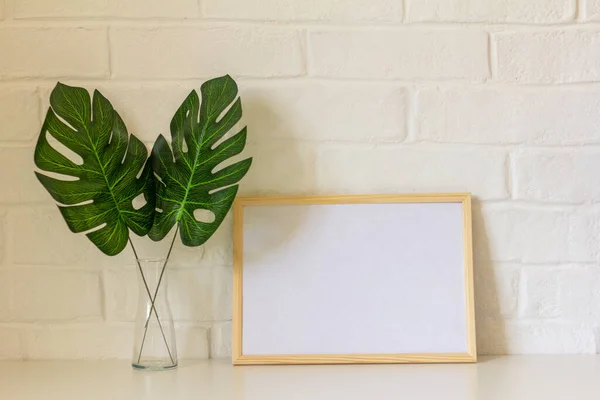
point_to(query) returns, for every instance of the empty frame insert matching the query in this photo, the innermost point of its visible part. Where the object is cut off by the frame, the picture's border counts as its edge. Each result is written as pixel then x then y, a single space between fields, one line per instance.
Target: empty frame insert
pixel 353 279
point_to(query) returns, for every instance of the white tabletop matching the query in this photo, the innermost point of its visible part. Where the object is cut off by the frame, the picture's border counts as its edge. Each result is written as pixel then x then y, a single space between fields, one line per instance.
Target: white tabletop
pixel 502 378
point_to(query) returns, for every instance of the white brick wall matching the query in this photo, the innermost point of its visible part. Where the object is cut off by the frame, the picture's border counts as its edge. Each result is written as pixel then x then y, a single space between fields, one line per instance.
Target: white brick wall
pixel 304 10
pixel 316 111
pixel 530 11
pixel 244 51
pixel 55 295
pixel 569 291
pixel 20 113
pixel 591 10
pixel 2 236
pixel 497 289
pixel 508 115
pixel 105 8
pixel 548 56
pixel 500 98
pixel 60 52
pixel 399 168
pixel 399 54
pixel 535 234
pixel 535 337
pixel 557 175
pixel 10 343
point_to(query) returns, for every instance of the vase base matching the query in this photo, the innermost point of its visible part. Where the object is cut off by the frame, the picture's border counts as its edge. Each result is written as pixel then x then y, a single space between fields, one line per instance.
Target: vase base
pixel 154 366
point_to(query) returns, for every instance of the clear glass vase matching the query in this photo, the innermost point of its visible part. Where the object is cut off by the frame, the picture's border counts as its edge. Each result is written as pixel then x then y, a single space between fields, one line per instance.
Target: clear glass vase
pixel 154 344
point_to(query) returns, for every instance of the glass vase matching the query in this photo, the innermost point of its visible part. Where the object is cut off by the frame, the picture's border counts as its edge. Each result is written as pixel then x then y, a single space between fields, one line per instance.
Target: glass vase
pixel 154 344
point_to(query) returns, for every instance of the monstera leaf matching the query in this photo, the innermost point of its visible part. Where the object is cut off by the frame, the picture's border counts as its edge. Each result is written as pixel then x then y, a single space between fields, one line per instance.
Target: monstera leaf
pixel 188 177
pixel 97 196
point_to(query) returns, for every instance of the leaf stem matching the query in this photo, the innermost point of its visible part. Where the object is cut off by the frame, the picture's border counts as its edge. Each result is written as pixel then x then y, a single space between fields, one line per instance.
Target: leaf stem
pixel 153 299
pixel 152 308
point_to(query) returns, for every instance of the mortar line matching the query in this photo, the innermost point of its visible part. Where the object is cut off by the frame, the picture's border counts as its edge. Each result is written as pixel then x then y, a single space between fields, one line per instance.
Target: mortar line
pixel 380 25
pixel 305 50
pixel 479 83
pixel 110 55
pixel 580 11
pixel 509 179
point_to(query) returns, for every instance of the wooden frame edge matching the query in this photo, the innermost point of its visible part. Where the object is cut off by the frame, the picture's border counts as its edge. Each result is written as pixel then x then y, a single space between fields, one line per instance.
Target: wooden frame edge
pixel 469 278
pixel 238 250
pixel 293 359
pixel 354 199
pixel 237 321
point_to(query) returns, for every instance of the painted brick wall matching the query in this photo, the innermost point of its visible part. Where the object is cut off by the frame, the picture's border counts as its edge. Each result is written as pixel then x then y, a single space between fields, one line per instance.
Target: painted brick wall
pixel 500 98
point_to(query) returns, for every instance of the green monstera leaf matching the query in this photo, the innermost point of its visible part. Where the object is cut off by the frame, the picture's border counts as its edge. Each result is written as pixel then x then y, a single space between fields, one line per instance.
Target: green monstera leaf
pixel 188 177
pixel 97 194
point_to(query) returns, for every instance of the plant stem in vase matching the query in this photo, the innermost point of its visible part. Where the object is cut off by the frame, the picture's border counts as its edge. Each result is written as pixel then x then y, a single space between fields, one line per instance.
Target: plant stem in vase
pixel 154 336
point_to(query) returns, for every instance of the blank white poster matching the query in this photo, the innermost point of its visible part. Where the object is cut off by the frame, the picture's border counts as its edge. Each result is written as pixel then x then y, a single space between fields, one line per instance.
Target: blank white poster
pixel 353 279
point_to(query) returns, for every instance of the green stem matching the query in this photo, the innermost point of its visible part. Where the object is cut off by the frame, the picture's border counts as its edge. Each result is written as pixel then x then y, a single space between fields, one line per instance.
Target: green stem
pixel 152 308
pixel 153 299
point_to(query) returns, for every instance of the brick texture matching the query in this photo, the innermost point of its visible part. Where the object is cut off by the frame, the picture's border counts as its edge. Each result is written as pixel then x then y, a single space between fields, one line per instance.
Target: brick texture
pixel 221 340
pixel 10 343
pixel 40 236
pixel 50 295
pixel 560 176
pixel 508 116
pixel 319 112
pixel 398 169
pixel 533 235
pixel 20 114
pixel 592 9
pixel 6 291
pixel 541 297
pixel 121 288
pixel 532 11
pixel 302 10
pixel 548 56
pixel 296 172
pixel 106 8
pixel 192 342
pixel 79 341
pixel 17 178
pixel 206 52
pixel 406 54
pixel 569 292
pixel 2 236
pixel 497 289
pixel 526 337
pixel 53 52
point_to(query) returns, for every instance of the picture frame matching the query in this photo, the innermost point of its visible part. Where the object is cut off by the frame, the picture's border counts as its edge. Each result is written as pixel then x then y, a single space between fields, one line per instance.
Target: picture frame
pixel 271 325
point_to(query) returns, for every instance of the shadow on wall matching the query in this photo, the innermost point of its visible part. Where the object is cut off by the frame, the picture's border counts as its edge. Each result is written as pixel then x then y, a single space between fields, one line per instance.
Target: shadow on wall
pixel 284 165
pixel 491 338
pixel 281 165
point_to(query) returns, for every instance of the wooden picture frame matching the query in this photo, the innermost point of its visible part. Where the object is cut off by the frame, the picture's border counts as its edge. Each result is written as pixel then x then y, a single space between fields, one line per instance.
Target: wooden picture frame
pixel 240 358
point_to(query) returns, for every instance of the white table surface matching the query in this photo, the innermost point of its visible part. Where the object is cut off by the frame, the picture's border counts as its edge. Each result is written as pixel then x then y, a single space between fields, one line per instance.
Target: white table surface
pixel 505 378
